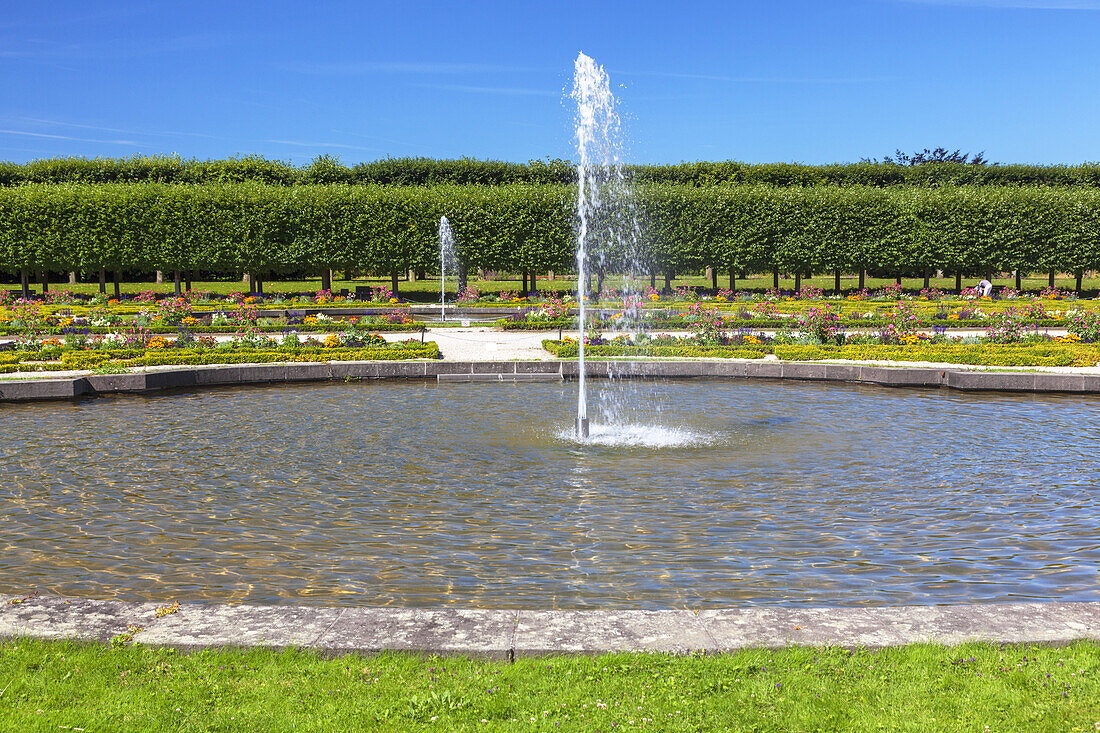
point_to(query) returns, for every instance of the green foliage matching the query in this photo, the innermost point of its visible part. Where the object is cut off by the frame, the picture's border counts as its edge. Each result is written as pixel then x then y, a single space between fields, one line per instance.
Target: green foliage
pixel 468 171
pixel 268 230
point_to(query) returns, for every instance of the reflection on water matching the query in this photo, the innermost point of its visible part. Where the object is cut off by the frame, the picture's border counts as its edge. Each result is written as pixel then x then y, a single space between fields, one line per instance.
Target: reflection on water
pixel 419 494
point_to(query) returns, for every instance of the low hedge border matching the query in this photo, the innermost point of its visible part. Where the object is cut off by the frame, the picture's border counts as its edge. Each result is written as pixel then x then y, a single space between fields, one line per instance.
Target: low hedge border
pixel 299 327
pixel 759 323
pixel 84 360
pixel 975 354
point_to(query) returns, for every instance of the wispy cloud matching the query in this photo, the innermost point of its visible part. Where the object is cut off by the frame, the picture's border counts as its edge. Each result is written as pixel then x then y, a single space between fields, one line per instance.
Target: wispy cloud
pixel 510 91
pixel 402 67
pixel 108 50
pixel 1021 4
pixel 80 126
pixel 764 79
pixel 322 146
pixel 67 137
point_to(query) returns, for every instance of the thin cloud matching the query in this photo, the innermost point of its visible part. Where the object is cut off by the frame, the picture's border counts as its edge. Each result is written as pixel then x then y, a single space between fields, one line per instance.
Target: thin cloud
pixel 1017 4
pixel 157 133
pixel 66 137
pixel 319 146
pixel 402 67
pixel 764 79
pixel 509 91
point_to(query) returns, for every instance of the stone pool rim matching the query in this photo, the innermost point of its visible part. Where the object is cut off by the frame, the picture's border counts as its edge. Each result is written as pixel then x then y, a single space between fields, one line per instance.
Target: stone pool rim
pixel 506 634
pixel 146 382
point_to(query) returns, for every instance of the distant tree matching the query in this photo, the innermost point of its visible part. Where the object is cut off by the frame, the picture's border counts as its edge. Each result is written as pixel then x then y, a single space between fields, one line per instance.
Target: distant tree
pixel 939 155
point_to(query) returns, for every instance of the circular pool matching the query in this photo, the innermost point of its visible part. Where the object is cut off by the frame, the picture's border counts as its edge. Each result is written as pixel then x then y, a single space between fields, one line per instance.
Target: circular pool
pixel 691 494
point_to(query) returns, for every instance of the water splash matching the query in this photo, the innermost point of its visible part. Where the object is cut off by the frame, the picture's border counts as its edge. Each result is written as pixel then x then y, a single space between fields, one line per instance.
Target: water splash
pixel 447 258
pixel 638 436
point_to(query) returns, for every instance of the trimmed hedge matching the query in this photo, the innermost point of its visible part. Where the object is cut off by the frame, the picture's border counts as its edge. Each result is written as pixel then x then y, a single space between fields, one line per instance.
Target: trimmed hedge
pixel 226 329
pixel 271 230
pixel 468 171
pixel 15 361
pixel 976 354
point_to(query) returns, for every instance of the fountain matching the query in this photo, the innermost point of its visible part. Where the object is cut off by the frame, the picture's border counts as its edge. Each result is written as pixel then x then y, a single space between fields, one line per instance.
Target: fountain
pixel 605 212
pixel 447 257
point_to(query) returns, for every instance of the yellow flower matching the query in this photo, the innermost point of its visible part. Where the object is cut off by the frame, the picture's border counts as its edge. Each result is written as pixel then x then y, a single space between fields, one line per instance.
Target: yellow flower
pixel 112 301
pixel 190 321
pixel 750 339
pixel 721 299
pixel 952 316
pixel 309 320
pixel 332 341
pixel 654 297
pixel 394 300
pixel 250 299
pixel 157 342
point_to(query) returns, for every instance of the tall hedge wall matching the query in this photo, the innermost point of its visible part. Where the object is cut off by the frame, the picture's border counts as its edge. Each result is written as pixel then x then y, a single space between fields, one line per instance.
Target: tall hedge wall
pixel 270 229
pixel 431 172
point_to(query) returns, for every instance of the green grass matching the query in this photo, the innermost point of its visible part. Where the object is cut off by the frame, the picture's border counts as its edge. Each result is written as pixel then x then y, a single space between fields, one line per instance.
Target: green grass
pixel 428 290
pixel 65 686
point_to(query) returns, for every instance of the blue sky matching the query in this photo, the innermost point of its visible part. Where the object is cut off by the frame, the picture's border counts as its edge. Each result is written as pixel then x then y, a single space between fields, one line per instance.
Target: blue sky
pixel 811 81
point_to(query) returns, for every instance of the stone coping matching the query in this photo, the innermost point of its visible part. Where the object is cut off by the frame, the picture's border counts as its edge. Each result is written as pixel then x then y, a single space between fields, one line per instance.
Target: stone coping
pixel 155 380
pixel 510 633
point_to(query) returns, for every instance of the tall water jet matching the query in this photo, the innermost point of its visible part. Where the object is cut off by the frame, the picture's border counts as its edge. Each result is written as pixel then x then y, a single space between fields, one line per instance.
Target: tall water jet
pixel 607 229
pixel 447 258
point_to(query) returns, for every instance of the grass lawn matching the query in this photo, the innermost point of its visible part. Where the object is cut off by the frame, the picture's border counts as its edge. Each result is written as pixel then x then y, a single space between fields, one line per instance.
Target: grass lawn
pixel 428 290
pixel 66 686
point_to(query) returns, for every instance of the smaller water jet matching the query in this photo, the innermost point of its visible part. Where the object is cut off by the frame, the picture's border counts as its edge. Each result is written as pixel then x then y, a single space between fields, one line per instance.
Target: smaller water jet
pixel 447 257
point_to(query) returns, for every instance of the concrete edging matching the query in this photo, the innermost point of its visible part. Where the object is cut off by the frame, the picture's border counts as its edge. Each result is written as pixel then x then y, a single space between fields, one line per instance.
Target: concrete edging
pixel 30 390
pixel 509 633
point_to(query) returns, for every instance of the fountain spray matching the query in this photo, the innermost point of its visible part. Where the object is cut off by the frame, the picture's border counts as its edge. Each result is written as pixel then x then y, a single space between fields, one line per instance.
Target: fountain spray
pixel 446 257
pixel 600 193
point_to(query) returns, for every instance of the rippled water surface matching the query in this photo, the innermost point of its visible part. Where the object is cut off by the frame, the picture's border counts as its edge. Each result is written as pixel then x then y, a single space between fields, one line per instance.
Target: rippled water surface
pixel 718 493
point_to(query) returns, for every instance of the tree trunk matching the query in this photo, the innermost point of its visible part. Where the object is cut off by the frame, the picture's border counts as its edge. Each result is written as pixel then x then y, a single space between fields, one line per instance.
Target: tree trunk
pixel 24 282
pixel 393 283
pixel 653 279
pixel 713 278
pixel 797 282
pixel 733 281
pixel 462 282
pixel 927 279
pixel 160 277
pixel 118 284
pixel 836 282
pixel 176 281
pixel 862 278
pixel 1077 287
pixel 259 285
pixel 601 275
pixel 72 277
pixel 534 278
pixel 1050 279
pixel 326 279
pixel 102 281
pixel 249 282
pixel 1019 281
pixel 190 274
pixel 668 281
pixel 44 278
pixel 958 282
pixel 897 279
pixel 775 278
pixel 524 285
